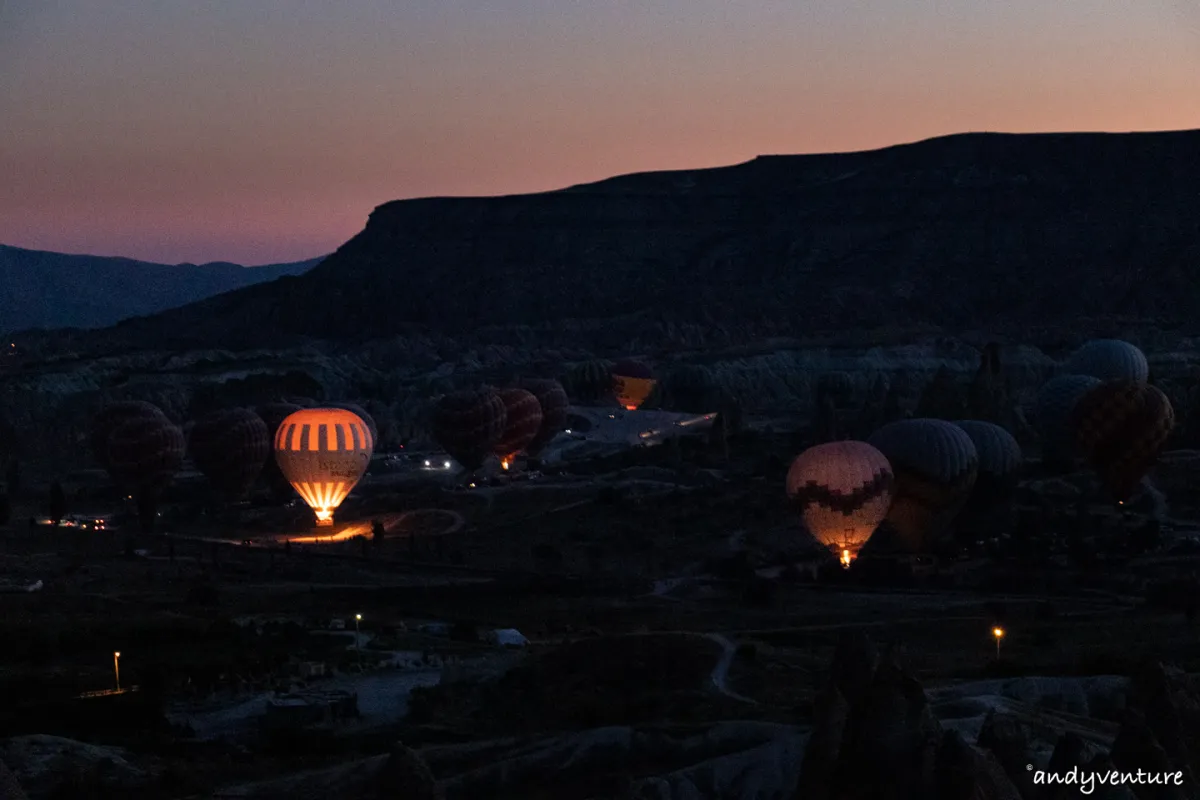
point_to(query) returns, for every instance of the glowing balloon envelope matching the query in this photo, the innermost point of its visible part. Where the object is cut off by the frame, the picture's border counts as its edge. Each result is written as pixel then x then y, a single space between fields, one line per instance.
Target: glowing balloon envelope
pixel 323 452
pixel 633 383
pixel 843 491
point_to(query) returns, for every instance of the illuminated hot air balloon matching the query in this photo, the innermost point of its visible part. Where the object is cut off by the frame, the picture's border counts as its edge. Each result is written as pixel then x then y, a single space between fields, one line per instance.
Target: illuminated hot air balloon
pixel 323 452
pixel 632 383
pixel 1052 415
pixel 1109 360
pixel 114 416
pixel 230 447
pixel 363 415
pixel 935 464
pixel 1120 428
pixel 468 424
pixel 144 454
pixel 554 403
pixel 522 421
pixel 590 381
pixel 843 491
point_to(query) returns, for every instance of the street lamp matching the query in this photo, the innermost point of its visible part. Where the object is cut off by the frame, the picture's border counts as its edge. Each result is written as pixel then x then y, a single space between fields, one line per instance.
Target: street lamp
pixel 997 634
pixel 117 668
pixel 357 640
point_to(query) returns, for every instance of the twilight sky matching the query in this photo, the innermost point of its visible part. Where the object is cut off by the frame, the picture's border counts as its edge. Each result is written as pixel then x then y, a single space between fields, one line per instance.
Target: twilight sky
pixel 266 130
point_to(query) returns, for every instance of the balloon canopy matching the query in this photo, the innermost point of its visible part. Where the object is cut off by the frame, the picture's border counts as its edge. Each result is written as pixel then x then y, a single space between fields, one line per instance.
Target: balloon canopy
pixel 144 453
pixel 522 421
pixel 935 463
pixel 468 424
pixel 554 404
pixel 843 491
pixel 1120 428
pixel 1109 360
pixel 323 452
pixel 114 416
pixel 633 383
pixel 230 447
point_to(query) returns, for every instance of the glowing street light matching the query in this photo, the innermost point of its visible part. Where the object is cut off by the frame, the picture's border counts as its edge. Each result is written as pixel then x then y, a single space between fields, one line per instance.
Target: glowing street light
pixel 357 640
pixel 117 668
pixel 997 634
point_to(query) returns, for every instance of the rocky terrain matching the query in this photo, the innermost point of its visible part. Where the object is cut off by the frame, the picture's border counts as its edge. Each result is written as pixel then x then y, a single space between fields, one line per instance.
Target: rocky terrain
pixel 56 290
pixel 1040 236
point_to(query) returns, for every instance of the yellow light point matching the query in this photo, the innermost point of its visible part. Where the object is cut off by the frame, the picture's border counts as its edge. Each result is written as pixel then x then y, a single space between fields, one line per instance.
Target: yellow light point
pixel 998 633
pixel 117 654
pixel 358 617
pixel 504 464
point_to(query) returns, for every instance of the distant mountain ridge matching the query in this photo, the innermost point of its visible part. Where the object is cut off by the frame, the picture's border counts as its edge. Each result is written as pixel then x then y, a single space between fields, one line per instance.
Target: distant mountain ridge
pixel 57 290
pixel 972 232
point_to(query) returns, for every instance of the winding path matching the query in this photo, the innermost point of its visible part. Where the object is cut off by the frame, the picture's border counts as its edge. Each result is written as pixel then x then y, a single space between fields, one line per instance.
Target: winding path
pixel 721 671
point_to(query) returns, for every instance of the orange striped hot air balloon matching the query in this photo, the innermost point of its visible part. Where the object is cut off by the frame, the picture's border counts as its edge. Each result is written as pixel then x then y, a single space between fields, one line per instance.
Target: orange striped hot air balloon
pixel 1120 428
pixel 323 452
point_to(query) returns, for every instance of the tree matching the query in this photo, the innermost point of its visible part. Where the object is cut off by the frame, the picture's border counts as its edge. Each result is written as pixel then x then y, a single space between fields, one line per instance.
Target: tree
pixel 377 530
pixel 58 503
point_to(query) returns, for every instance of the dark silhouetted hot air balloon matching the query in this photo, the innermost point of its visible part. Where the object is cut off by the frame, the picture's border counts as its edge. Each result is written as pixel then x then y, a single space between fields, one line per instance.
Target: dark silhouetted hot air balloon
pixel 999 468
pixel 273 414
pixel 230 447
pixel 363 415
pixel 554 403
pixel 1109 360
pixel 590 382
pixel 114 416
pixel 1120 428
pixel 468 424
pixel 522 421
pixel 1052 416
pixel 935 464
pixel 633 382
pixel 144 453
pixel 323 452
pixel 843 491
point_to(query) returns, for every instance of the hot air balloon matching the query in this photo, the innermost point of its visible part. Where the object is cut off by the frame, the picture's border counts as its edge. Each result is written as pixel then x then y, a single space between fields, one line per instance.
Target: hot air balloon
pixel 1120 428
pixel 843 491
pixel 144 454
pixel 1052 415
pixel 273 414
pixel 1109 360
pixel 323 452
pixel 468 424
pixel 935 464
pixel 590 381
pixel 554 403
pixel 230 447
pixel 363 415
pixel 999 467
pixel 114 416
pixel 632 383
pixel 522 421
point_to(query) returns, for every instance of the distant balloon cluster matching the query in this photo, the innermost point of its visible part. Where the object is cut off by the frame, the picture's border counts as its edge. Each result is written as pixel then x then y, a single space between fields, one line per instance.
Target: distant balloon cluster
pixel 919 474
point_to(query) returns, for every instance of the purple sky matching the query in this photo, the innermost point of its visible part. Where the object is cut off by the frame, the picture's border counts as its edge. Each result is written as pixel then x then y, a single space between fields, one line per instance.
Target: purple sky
pixel 261 130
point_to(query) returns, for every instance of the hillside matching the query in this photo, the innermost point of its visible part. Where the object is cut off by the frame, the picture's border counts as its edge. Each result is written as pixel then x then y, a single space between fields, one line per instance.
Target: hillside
pixel 55 290
pixel 993 232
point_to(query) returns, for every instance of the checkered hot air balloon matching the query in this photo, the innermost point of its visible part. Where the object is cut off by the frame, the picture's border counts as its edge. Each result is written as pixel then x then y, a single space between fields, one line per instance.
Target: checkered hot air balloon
pixel 230 447
pixel 468 424
pixel 323 452
pixel 1120 429
pixel 935 463
pixel 522 421
pixel 554 403
pixel 842 491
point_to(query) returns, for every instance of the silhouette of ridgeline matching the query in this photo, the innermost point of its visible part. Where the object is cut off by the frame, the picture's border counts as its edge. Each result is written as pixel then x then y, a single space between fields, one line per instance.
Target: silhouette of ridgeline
pixel 992 232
